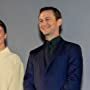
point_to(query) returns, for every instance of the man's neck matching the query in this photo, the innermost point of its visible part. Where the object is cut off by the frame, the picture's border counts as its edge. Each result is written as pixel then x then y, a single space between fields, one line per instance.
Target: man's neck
pixel 49 38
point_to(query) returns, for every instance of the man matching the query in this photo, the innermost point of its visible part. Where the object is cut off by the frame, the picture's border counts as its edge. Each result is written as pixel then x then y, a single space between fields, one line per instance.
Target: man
pixel 57 64
pixel 11 67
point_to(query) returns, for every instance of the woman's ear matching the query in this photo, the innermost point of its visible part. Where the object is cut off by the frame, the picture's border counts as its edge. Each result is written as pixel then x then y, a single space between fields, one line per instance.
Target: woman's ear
pixel 5 36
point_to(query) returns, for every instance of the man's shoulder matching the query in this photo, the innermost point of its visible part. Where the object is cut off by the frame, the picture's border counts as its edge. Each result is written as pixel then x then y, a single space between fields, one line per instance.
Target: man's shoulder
pixel 71 45
pixel 36 50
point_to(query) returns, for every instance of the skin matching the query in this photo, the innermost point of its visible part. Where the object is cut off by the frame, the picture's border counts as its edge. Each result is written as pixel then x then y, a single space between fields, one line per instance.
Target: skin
pixel 3 36
pixel 48 24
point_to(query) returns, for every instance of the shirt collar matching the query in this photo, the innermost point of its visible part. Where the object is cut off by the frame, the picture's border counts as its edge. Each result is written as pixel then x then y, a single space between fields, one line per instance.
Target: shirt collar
pixel 4 51
pixel 54 41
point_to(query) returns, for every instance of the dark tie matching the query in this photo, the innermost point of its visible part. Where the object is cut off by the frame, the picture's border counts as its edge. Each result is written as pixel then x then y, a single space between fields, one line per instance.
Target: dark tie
pixel 48 52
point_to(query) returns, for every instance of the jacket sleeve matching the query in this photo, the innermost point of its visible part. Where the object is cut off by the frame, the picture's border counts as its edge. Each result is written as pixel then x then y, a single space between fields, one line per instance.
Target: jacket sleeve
pixel 75 66
pixel 29 76
pixel 16 77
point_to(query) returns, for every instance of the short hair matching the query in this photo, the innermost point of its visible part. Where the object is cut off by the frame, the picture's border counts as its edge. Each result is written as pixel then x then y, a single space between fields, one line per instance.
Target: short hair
pixel 2 24
pixel 56 13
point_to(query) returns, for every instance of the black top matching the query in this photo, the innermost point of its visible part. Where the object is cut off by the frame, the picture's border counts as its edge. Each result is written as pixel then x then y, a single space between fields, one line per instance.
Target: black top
pixel 51 45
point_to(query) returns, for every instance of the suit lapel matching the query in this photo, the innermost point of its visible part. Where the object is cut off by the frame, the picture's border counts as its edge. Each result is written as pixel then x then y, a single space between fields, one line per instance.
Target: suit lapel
pixel 43 56
pixel 41 61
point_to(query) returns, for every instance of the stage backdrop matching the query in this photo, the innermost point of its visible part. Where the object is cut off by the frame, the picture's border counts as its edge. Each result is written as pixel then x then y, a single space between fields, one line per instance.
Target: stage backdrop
pixel 21 17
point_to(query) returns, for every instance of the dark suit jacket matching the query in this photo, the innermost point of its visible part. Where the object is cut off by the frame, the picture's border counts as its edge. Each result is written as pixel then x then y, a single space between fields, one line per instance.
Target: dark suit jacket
pixel 63 72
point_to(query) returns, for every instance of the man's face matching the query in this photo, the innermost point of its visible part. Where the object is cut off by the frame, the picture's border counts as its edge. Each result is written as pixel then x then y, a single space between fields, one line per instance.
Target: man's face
pixel 2 36
pixel 48 24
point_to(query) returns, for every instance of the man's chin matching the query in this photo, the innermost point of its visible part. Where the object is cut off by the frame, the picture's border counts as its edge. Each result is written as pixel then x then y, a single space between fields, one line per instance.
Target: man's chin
pixel 45 34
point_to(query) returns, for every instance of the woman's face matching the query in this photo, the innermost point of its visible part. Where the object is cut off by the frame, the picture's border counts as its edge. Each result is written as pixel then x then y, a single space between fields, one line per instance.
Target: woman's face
pixel 3 36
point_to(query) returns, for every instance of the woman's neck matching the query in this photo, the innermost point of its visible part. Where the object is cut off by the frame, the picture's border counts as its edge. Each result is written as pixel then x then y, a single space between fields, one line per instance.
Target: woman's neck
pixel 2 47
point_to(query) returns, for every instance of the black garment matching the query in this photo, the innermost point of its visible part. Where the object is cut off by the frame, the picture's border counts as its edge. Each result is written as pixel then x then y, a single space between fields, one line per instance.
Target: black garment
pixel 50 47
pixel 63 72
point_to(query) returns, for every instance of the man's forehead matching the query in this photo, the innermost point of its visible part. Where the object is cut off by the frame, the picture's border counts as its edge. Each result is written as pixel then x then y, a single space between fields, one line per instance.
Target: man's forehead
pixel 47 13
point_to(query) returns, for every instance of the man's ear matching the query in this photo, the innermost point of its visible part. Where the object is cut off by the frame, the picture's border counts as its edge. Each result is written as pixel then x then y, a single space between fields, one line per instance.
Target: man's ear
pixel 60 21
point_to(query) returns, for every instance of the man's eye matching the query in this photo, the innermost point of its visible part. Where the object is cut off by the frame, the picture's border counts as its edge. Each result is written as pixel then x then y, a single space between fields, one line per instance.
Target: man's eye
pixel 40 21
pixel 47 19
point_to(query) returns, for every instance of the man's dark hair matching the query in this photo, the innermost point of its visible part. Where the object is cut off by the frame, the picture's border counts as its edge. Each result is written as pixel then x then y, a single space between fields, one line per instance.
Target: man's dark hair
pixel 2 24
pixel 56 12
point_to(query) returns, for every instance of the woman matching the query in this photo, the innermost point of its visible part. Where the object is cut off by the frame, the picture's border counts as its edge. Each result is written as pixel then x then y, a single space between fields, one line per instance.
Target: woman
pixel 11 67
